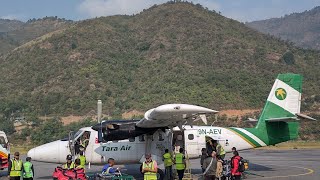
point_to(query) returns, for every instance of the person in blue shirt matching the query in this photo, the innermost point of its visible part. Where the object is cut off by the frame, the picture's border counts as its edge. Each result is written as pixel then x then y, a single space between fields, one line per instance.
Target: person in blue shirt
pixel 108 168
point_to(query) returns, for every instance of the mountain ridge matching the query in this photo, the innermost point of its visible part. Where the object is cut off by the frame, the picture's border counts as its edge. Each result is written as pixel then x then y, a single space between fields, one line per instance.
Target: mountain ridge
pixel 300 28
pixel 15 33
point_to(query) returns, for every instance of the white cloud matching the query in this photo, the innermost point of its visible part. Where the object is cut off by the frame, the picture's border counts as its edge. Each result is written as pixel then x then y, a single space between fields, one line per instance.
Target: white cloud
pixel 97 8
pixel 12 17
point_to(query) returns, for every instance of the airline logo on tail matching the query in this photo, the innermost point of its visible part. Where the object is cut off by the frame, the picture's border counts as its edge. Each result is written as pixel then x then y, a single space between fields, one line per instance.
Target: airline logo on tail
pixel 281 94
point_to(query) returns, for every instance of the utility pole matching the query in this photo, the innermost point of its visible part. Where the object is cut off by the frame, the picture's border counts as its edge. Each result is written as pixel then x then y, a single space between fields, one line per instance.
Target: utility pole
pixel 99 112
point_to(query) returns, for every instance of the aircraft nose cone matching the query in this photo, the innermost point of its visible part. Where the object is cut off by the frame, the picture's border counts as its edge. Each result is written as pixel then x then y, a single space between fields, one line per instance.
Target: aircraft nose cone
pixel 31 153
pixel 55 152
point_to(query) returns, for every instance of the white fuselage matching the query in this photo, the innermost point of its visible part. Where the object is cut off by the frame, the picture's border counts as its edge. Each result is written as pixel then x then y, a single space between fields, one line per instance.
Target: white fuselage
pixel 132 150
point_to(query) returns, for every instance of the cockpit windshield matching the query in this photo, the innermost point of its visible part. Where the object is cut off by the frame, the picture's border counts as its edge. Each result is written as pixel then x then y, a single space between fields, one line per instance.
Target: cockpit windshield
pixel 77 134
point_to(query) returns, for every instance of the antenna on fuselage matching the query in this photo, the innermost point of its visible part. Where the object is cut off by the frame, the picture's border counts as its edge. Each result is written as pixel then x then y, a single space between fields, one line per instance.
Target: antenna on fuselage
pixel 99 112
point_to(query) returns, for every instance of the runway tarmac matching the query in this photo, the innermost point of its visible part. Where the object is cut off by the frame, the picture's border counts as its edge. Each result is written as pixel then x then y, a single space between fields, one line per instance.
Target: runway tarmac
pixel 264 164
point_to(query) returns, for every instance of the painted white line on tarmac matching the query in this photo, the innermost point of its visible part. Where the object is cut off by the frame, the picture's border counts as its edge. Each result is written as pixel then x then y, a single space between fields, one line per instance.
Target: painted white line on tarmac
pixel 310 171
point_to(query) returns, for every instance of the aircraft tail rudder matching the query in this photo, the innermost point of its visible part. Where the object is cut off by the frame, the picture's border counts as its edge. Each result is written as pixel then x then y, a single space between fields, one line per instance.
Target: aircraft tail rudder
pixel 278 120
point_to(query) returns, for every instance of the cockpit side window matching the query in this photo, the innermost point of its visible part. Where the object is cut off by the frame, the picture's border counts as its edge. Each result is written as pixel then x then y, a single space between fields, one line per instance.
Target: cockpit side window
pixel 3 142
pixel 141 138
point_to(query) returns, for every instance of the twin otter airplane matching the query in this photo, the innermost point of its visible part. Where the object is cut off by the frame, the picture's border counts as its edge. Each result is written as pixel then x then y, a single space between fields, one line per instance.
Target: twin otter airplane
pixel 166 127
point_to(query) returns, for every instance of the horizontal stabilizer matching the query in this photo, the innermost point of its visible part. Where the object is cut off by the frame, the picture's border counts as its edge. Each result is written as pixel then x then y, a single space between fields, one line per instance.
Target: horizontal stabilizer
pixel 305 117
pixel 298 117
pixel 251 120
pixel 282 119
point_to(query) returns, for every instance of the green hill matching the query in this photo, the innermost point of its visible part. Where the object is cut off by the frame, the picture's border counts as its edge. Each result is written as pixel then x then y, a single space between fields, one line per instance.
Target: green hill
pixel 171 53
pixel 301 28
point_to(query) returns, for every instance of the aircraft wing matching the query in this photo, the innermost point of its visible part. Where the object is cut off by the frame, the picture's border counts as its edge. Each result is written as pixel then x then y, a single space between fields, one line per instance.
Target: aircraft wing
pixel 171 115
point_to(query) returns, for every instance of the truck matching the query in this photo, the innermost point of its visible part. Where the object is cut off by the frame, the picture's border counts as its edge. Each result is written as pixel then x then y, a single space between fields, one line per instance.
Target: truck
pixel 4 151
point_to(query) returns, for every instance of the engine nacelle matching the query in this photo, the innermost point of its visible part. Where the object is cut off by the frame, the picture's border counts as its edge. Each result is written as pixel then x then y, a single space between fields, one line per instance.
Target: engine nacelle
pixel 110 131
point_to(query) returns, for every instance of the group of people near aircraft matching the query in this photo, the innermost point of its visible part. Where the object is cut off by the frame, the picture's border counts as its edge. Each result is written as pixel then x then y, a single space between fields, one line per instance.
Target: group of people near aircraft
pixel 212 162
pixel 178 160
pixel 18 169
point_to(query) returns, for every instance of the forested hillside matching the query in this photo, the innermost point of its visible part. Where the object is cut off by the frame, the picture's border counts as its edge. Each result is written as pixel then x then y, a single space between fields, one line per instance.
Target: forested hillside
pixel 171 53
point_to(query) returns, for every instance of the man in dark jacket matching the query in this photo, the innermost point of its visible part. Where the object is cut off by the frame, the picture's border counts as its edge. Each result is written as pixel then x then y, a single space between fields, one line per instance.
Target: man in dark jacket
pixel 210 166
pixel 203 156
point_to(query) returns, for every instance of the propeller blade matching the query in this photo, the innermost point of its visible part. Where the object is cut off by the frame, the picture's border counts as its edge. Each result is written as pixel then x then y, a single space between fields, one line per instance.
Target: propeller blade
pixel 203 117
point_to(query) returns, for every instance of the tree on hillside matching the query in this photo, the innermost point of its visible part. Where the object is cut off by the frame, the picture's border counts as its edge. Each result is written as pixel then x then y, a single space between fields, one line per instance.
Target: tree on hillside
pixel 6 125
pixel 50 130
pixel 288 58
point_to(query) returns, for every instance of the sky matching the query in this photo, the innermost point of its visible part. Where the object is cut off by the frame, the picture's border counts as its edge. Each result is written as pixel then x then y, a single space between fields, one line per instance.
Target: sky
pixel 241 10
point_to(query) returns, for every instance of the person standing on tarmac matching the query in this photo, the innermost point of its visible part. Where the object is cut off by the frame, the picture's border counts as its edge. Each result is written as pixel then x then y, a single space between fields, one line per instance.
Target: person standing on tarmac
pixel 210 166
pixel 83 159
pixel 180 163
pixel 28 171
pixel 236 175
pixel 77 164
pixel 233 149
pixel 69 164
pixel 221 153
pixel 15 167
pixel 149 168
pixel 219 168
pixel 167 159
pixel 79 169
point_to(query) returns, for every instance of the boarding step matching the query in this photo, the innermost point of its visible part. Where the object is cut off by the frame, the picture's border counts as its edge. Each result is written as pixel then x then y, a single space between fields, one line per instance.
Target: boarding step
pixel 187 176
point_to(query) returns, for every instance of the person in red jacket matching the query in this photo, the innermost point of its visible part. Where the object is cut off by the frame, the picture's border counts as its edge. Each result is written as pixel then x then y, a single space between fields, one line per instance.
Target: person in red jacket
pixel 236 175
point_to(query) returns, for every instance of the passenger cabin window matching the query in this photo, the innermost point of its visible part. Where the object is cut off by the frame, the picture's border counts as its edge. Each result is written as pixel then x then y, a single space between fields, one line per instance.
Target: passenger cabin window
pixel 190 136
pixel 141 138
pixel 132 139
pixel 160 137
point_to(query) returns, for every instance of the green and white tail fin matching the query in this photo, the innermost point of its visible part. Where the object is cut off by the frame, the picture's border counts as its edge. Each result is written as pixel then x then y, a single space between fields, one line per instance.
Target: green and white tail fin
pixel 284 100
pixel 278 121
